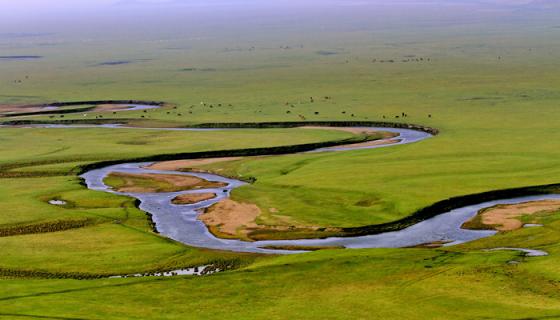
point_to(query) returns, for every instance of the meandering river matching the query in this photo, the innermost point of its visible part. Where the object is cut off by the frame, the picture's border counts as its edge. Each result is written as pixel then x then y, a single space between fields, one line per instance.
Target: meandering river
pixel 179 222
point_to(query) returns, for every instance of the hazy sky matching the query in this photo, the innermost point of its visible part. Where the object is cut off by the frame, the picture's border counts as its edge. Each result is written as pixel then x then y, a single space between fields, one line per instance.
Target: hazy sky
pixel 58 16
pixel 34 6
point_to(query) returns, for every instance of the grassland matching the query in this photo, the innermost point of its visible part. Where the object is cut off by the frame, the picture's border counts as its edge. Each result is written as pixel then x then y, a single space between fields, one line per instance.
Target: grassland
pixel 32 177
pixel 462 283
pixel 498 120
pixel 372 284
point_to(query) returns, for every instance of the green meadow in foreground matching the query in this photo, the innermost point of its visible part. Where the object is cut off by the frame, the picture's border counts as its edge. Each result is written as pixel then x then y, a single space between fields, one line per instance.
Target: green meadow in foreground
pixel 490 88
pixel 460 283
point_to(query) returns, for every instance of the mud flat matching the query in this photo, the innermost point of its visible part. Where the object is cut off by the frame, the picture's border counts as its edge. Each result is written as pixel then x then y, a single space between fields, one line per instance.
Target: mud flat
pixel 192 198
pixel 507 217
pixel 150 183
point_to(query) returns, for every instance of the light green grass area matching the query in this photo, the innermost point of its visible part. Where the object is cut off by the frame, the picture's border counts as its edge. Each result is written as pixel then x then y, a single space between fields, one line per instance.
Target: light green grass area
pixel 112 248
pixel 25 201
pixel 374 186
pixel 56 146
pixel 367 284
pixel 120 239
pixel 463 282
pixel 496 117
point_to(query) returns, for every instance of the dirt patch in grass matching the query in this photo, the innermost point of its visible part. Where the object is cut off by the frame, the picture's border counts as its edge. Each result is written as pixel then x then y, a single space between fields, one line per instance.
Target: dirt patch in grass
pixel 149 182
pixel 182 164
pixel 191 198
pixel 507 217
pixel 229 219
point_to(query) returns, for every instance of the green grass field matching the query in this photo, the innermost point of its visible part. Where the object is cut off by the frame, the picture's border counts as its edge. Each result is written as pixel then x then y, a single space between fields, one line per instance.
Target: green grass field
pixel 490 86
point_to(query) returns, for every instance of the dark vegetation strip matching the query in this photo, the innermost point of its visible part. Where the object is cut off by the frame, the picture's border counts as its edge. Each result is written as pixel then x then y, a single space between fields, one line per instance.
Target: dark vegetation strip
pixel 17 273
pixel 66 122
pixel 38 113
pixel 227 153
pixel 6 170
pixel 96 102
pixel 33 174
pixel 34 316
pixel 425 213
pixel 451 204
pixel 215 265
pixel 50 226
pixel 77 103
pixel 114 63
pixel 240 125
pixel 15 165
pixel 28 57
pixel 280 150
pixel 296 124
